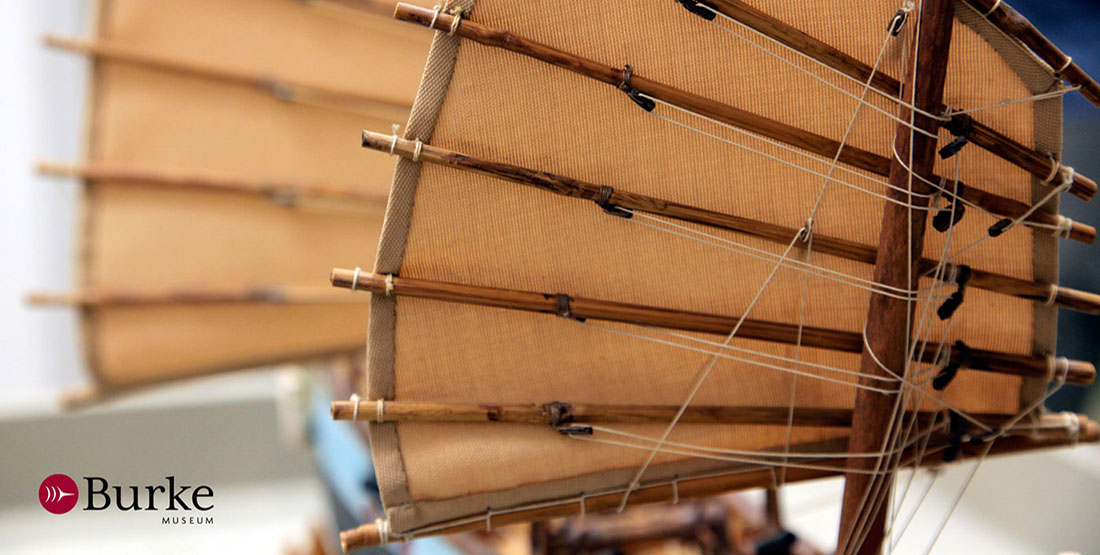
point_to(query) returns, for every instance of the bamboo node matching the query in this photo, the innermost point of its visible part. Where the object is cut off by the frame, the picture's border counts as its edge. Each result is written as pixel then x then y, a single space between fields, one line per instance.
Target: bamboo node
pixel 380 411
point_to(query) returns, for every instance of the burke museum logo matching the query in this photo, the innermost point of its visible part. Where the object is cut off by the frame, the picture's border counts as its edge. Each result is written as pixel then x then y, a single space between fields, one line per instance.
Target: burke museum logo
pixel 59 494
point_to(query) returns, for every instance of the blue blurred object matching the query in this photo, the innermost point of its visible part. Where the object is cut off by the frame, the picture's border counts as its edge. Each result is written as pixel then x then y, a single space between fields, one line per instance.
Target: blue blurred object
pixel 344 461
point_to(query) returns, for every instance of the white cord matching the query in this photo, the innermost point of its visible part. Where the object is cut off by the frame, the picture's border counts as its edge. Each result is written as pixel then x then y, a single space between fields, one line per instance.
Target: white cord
pixel 1069 60
pixel 435 16
pixel 354 407
pixel 1064 228
pixel 355 278
pixel 1052 296
pixel 1073 426
pixel 383 526
pixel 457 18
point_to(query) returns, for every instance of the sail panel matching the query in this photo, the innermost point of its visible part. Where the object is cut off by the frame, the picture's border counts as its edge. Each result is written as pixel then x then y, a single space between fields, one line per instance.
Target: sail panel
pixel 274 97
pixel 478 230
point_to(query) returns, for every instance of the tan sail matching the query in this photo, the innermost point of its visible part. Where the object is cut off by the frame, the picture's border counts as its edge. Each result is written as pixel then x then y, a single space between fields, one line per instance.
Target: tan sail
pixel 614 206
pixel 222 178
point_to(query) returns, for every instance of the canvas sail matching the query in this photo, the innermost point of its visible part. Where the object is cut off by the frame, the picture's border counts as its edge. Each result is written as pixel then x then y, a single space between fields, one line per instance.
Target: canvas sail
pixel 222 175
pixel 504 95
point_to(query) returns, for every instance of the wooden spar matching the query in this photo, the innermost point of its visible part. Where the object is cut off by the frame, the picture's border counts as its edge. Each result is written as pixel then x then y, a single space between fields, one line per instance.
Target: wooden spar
pixel 282 192
pixel 1008 20
pixel 817 144
pixel 555 414
pixel 888 327
pixel 575 188
pixel 1078 372
pixel 379 7
pixel 276 294
pixel 282 89
pixel 749 477
pixel 1034 162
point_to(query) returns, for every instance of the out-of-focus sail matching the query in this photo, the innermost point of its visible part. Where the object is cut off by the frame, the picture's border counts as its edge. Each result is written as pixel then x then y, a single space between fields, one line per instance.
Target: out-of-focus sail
pixel 222 175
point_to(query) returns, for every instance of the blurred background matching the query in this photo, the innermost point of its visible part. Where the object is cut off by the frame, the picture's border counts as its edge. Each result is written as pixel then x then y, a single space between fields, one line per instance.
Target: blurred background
pixel 285 476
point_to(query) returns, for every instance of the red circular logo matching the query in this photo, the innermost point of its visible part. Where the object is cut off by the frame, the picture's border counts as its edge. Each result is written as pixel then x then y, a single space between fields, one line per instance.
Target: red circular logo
pixel 58 494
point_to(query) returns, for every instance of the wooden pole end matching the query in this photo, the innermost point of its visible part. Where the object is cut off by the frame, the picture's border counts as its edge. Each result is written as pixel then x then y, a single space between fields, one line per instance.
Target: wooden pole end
pixel 341 277
pixel 78 398
pixel 358 538
pixel 1081 372
pixel 1090 431
pixel 43 298
pixel 1086 187
pixel 341 410
pixel 54 40
pixel 1083 232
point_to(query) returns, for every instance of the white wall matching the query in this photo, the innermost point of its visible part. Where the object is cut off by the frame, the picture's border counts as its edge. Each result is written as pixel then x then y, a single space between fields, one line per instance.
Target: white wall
pixel 41 115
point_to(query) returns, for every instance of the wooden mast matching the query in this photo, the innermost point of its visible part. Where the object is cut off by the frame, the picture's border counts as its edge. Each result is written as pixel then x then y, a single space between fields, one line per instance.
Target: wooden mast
pixel 901 240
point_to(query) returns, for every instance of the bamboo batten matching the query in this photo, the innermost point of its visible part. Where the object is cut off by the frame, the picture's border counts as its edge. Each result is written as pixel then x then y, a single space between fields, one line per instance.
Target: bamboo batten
pixel 1037 163
pixel 575 188
pixel 1017 26
pixel 1054 433
pixel 272 294
pixel 378 7
pixel 281 191
pixel 795 137
pixel 555 414
pixel 280 88
pixel 1076 372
